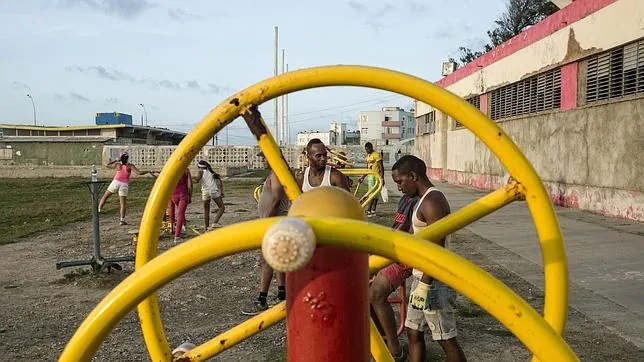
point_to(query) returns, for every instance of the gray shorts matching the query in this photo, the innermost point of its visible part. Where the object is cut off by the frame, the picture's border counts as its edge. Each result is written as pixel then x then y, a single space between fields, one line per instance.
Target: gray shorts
pixel 439 318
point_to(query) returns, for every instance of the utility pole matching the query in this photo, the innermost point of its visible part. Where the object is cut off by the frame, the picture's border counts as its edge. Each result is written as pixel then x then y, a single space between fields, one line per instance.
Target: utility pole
pixel 286 126
pixel 145 111
pixel 276 123
pixel 283 133
pixel 33 105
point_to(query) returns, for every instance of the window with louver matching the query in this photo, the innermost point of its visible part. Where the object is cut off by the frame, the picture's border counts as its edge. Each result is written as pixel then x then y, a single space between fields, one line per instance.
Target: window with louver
pixel 538 93
pixel 615 73
pixel 476 102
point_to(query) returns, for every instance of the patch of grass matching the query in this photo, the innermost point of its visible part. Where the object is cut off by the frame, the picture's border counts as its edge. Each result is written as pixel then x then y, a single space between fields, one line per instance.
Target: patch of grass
pixel 28 206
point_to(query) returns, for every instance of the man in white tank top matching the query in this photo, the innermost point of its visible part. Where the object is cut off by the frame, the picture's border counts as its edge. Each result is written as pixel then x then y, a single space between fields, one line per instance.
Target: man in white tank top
pixel 431 302
pixel 318 172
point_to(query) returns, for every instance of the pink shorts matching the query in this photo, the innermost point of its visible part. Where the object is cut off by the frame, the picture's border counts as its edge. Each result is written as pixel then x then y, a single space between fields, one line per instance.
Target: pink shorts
pixel 396 274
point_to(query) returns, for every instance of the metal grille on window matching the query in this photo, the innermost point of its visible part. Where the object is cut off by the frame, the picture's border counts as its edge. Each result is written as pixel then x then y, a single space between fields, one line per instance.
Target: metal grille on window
pixel 476 102
pixel 615 73
pixel 427 123
pixel 535 94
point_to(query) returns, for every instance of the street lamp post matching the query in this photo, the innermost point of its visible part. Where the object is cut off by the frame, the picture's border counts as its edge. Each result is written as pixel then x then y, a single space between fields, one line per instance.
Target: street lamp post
pixel 145 112
pixel 33 105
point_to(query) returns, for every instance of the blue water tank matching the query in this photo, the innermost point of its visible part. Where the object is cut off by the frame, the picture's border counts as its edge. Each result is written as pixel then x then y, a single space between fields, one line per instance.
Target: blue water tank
pixel 113 118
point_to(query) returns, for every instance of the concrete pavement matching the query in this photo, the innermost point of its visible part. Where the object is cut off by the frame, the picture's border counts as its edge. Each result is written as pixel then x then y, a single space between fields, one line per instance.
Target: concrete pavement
pixel 605 256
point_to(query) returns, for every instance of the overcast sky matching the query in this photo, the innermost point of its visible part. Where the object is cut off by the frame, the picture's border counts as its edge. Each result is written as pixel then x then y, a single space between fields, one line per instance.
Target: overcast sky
pixel 181 58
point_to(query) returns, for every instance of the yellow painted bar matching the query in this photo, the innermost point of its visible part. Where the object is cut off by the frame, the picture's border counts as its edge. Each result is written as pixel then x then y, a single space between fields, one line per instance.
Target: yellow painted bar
pixel 151 276
pixel 537 199
pixel 371 193
pixel 338 158
pixel 460 218
pixel 238 333
pixel 465 277
pixel 365 201
pixel 379 350
pixel 258 192
pixel 273 155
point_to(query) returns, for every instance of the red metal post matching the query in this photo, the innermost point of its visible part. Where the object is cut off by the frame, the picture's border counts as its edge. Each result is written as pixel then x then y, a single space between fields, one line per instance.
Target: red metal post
pixel 327 308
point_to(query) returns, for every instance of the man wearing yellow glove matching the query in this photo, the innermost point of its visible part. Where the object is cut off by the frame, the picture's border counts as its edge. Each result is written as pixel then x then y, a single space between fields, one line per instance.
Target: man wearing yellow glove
pixel 431 302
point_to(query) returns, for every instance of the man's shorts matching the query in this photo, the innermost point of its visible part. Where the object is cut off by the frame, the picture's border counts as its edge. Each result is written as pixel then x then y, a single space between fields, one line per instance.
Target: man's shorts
pixel 371 181
pixel 207 194
pixel 396 274
pixel 439 318
pixel 118 187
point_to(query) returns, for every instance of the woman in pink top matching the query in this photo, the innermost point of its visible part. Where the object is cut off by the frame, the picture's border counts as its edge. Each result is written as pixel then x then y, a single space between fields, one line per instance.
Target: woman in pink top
pixel 181 197
pixel 121 183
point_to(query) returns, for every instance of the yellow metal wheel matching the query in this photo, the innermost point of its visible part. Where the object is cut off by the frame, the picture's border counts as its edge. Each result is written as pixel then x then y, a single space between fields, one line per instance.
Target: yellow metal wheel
pixel 541 337
pixel 465 277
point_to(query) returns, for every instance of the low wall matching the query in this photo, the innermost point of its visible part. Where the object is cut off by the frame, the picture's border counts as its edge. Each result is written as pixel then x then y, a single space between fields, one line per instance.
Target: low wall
pixel 28 171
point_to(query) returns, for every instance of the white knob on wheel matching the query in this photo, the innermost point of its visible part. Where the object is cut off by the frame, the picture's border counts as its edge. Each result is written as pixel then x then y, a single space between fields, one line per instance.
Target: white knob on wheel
pixel 288 245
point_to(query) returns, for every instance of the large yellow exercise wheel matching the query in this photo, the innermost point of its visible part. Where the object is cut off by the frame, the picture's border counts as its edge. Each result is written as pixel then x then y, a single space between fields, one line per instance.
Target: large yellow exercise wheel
pixel 541 335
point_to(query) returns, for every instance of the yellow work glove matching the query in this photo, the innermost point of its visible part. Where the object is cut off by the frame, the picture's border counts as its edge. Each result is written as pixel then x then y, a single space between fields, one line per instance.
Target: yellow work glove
pixel 419 298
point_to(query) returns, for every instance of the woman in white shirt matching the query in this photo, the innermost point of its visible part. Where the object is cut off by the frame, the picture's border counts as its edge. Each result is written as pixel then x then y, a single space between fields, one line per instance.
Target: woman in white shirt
pixel 211 189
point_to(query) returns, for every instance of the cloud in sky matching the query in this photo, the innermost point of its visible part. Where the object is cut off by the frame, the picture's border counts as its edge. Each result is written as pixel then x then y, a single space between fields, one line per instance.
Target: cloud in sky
pixel 120 76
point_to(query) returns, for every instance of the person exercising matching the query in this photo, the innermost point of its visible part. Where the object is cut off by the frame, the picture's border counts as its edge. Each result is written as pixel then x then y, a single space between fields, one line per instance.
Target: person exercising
pixel 120 184
pixel 318 172
pixel 431 302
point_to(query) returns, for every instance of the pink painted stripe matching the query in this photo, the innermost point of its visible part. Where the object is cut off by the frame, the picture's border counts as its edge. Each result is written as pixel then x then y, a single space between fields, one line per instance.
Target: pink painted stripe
pixel 572 13
pixel 569 85
pixel 435 173
pixel 483 106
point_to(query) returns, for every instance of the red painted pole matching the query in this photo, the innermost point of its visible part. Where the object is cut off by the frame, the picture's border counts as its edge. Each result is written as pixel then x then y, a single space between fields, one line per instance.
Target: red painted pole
pixel 327 308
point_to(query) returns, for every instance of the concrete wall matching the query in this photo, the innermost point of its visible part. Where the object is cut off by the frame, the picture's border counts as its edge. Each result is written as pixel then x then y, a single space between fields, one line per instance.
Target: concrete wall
pixel 54 153
pixel 29 171
pixel 590 158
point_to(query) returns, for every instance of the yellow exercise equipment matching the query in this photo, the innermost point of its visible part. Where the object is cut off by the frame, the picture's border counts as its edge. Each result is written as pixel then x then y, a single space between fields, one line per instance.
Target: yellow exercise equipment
pixel 542 336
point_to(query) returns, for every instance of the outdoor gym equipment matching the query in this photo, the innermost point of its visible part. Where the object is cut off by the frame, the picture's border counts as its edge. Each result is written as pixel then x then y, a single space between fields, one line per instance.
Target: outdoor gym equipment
pixel 364 199
pixel 339 159
pixel 334 231
pixel 97 262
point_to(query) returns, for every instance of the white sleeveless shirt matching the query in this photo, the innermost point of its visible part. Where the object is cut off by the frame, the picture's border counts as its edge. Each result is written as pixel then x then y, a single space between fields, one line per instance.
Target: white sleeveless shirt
pixel 326 180
pixel 418 225
pixel 208 182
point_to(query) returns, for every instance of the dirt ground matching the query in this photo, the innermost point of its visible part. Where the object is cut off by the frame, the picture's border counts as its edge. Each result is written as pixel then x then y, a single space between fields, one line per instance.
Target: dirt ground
pixel 42 306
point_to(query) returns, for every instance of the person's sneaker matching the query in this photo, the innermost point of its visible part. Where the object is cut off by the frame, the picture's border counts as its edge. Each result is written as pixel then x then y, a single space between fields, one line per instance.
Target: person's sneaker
pixel 254 308
pixel 216 225
pixel 178 240
pixel 122 222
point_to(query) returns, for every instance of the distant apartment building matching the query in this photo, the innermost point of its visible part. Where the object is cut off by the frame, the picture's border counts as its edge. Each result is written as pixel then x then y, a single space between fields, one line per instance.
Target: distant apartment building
pixel 328 137
pixel 340 129
pixel 337 135
pixel 390 125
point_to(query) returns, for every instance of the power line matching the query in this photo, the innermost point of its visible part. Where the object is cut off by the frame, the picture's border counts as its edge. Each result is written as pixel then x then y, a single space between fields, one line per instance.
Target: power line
pixel 376 100
pixel 379 100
